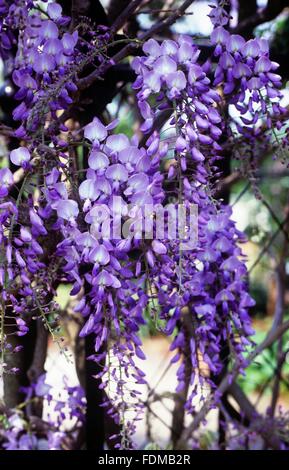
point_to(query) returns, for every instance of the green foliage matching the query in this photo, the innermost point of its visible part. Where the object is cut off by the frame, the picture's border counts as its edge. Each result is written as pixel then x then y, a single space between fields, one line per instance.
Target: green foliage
pixel 155 446
pixel 263 370
pixel 206 439
pixel 280 43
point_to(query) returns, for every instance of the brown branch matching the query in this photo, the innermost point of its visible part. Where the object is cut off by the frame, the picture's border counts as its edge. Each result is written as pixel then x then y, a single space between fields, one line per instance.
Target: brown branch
pixel 124 16
pixel 115 7
pixel 278 317
pixel 6 130
pixel 283 228
pixel 273 9
pixel 161 25
pixel 39 356
pixel 92 9
pixel 228 380
pixel 181 398
pixel 268 244
pixel 258 423
pixel 166 22
pixel 226 183
pixel 246 9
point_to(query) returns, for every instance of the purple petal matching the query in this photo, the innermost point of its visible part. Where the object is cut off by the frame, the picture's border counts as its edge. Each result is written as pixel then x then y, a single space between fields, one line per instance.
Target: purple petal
pixel 6 177
pixel 95 131
pixel 251 48
pixel 48 29
pixel 262 65
pixel 88 327
pixel 99 255
pixel 87 190
pixel 67 209
pixel 152 81
pixel 117 172
pixel 169 47
pixel 43 63
pixel 54 10
pixel 130 154
pixel 164 65
pixel 158 247
pixel 176 80
pixel 197 155
pixel 151 47
pixel 195 73
pixel 19 156
pixel 235 43
pixel 117 142
pixel 219 35
pixel 98 160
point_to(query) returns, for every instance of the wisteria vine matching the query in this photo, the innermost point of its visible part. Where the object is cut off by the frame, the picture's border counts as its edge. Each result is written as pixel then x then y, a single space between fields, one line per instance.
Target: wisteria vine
pixel 116 279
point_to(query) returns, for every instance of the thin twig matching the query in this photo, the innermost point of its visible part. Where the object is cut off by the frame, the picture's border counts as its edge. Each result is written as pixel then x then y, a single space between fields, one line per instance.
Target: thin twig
pixel 99 71
pixel 230 377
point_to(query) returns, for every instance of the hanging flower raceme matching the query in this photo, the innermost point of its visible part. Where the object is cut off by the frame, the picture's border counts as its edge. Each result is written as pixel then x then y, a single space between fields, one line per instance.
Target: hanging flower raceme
pixel 250 83
pixel 48 60
pixel 104 238
pixel 143 231
pixel 22 230
pixel 21 433
pixel 45 56
pixel 208 281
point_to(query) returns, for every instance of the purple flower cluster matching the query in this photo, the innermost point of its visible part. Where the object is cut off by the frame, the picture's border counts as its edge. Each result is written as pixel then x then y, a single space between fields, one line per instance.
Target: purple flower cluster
pixel 210 279
pixel 121 179
pixel 120 276
pixel 43 61
pixel 17 432
pixel 21 260
pixel 100 225
pixel 249 80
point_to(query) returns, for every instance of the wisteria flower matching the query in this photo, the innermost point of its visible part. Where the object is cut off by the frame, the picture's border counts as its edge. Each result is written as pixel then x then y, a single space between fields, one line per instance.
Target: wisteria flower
pixel 95 131
pixel 98 160
pixel 6 180
pixel 20 156
pixel 41 387
pixel 66 209
pixel 54 10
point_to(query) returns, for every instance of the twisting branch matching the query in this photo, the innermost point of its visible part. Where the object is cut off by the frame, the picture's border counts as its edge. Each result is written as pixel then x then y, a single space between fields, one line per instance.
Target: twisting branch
pixel 125 15
pixel 181 398
pixel 279 312
pixel 231 376
pixel 157 28
pixel 268 244
pixel 39 355
pixel 273 8
pixel 166 22
pixel 276 219
pixel 278 318
pixel 257 422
